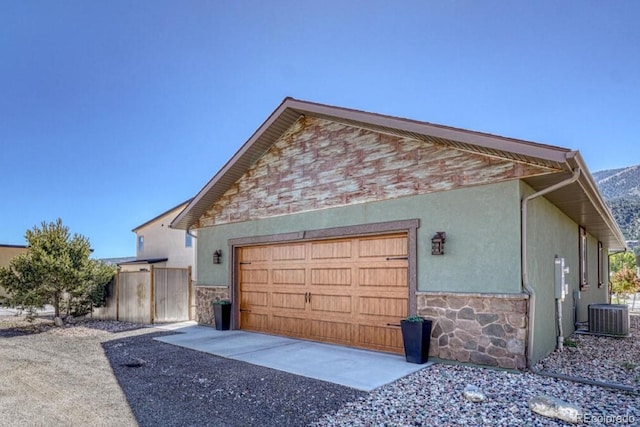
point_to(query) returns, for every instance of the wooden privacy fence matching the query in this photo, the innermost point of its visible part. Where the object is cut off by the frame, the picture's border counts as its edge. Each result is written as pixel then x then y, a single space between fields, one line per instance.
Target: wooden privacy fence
pixel 154 296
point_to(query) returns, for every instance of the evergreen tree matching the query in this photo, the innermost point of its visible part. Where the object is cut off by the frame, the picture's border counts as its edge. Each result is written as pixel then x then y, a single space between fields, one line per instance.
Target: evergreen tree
pixel 56 269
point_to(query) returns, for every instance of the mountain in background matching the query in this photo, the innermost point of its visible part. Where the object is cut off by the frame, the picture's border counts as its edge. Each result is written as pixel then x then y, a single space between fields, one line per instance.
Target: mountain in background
pixel 621 190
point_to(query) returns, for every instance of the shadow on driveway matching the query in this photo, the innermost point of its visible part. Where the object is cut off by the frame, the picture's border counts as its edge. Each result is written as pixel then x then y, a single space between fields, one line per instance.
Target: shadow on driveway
pixel 167 385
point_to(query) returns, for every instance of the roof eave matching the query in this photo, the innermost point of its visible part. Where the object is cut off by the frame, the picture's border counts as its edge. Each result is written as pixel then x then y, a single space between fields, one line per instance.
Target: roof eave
pixel 157 217
pixel 557 158
pixel 495 142
pixel 291 109
pixel 188 217
pixel 588 185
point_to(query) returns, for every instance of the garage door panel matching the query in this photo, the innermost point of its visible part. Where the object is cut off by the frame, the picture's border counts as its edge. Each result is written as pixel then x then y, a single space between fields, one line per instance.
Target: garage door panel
pixel 331 250
pixel 340 332
pixel 382 337
pixel 254 298
pixel 290 276
pixel 254 321
pixel 253 254
pixel 380 276
pixel 255 276
pixel 285 300
pixel 331 276
pixel 331 303
pixel 387 307
pixel 383 247
pixel 288 252
pixel 288 325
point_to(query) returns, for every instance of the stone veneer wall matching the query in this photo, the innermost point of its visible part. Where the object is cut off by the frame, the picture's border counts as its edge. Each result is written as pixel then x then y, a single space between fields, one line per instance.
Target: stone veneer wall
pixel 486 329
pixel 205 296
pixel 321 164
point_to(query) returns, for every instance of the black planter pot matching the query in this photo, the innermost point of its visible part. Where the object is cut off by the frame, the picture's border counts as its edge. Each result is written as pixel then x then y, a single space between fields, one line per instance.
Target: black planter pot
pixel 222 316
pixel 416 337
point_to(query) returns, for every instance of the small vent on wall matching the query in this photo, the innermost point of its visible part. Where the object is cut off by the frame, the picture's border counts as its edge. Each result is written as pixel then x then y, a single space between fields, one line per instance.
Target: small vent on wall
pixel 609 319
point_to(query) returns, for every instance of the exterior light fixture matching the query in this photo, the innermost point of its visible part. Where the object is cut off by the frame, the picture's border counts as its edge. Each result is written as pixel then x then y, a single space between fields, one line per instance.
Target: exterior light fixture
pixel 437 243
pixel 217 256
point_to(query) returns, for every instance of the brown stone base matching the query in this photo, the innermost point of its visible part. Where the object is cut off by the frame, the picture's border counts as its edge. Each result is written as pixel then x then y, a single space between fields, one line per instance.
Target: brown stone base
pixel 205 296
pixel 486 329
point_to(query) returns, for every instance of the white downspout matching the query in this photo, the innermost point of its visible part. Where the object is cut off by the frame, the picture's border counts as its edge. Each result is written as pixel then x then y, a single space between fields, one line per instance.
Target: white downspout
pixel 560 343
pixel 524 252
pixel 192 303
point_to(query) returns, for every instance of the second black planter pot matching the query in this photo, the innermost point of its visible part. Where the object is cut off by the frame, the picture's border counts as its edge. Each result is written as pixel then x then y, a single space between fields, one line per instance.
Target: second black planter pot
pixel 222 316
pixel 416 337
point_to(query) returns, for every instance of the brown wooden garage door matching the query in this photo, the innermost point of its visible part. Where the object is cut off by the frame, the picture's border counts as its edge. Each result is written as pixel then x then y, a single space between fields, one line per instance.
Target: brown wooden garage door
pixel 344 291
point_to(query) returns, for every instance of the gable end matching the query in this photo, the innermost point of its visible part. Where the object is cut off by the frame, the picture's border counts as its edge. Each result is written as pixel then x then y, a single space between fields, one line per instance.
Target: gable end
pixel 318 164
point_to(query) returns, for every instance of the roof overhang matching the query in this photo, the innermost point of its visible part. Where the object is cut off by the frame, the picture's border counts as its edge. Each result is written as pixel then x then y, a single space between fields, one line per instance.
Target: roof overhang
pixel 580 201
pixel 144 261
pixel 155 218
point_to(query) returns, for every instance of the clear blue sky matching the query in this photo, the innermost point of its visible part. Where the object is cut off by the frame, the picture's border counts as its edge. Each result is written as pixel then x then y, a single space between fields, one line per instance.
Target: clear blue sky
pixel 114 111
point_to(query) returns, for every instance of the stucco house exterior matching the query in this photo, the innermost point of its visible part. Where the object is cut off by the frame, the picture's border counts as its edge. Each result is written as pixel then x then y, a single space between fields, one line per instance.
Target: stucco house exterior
pixel 159 245
pixel 6 253
pixel 328 224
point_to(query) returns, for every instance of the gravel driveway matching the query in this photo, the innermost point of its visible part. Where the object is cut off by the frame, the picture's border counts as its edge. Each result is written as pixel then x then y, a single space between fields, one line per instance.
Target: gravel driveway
pixel 173 386
pixel 104 374
pixel 83 375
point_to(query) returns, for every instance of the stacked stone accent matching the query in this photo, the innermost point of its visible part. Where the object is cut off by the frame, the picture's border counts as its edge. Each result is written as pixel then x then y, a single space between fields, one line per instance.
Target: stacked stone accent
pixel 486 329
pixel 205 296
pixel 320 164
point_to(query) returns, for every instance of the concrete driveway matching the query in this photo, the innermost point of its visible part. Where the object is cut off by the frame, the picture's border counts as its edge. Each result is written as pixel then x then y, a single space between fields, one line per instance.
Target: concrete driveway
pixel 360 369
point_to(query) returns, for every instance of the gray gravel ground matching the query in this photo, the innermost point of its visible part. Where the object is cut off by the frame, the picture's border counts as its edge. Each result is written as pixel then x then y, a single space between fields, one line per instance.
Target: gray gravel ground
pixel 599 358
pixel 57 376
pixel 109 374
pixel 103 373
pixel 433 397
pixel 168 385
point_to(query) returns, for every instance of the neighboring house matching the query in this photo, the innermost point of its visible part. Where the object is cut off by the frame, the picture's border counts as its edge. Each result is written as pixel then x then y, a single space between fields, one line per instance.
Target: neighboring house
pixel 118 260
pixel 326 217
pixel 161 246
pixel 6 253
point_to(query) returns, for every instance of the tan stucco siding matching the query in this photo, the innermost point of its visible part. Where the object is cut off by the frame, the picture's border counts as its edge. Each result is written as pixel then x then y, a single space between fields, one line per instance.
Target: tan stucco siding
pixel 319 164
pixel 160 241
pixel 6 254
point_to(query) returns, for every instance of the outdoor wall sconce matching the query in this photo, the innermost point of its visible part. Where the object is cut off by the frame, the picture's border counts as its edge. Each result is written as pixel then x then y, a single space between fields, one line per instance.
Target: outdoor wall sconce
pixel 217 256
pixel 437 243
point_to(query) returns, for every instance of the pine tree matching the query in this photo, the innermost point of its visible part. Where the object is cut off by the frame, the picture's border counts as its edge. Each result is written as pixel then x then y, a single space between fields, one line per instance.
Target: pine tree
pixel 56 269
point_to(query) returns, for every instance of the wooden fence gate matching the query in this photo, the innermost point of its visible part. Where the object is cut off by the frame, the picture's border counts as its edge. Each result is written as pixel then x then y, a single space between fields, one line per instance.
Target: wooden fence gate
pixel 154 296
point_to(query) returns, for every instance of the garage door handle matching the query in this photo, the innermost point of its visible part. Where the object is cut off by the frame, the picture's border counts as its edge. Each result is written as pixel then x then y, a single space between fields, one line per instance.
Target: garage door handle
pixel 245 310
pixel 390 258
pixel 393 324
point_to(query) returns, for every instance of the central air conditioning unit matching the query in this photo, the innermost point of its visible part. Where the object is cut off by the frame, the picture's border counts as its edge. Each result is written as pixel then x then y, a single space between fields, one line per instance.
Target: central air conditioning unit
pixel 609 319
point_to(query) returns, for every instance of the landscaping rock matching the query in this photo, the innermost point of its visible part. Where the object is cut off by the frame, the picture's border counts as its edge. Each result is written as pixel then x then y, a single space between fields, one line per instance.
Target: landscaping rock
pixel 552 407
pixel 58 321
pixel 474 394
